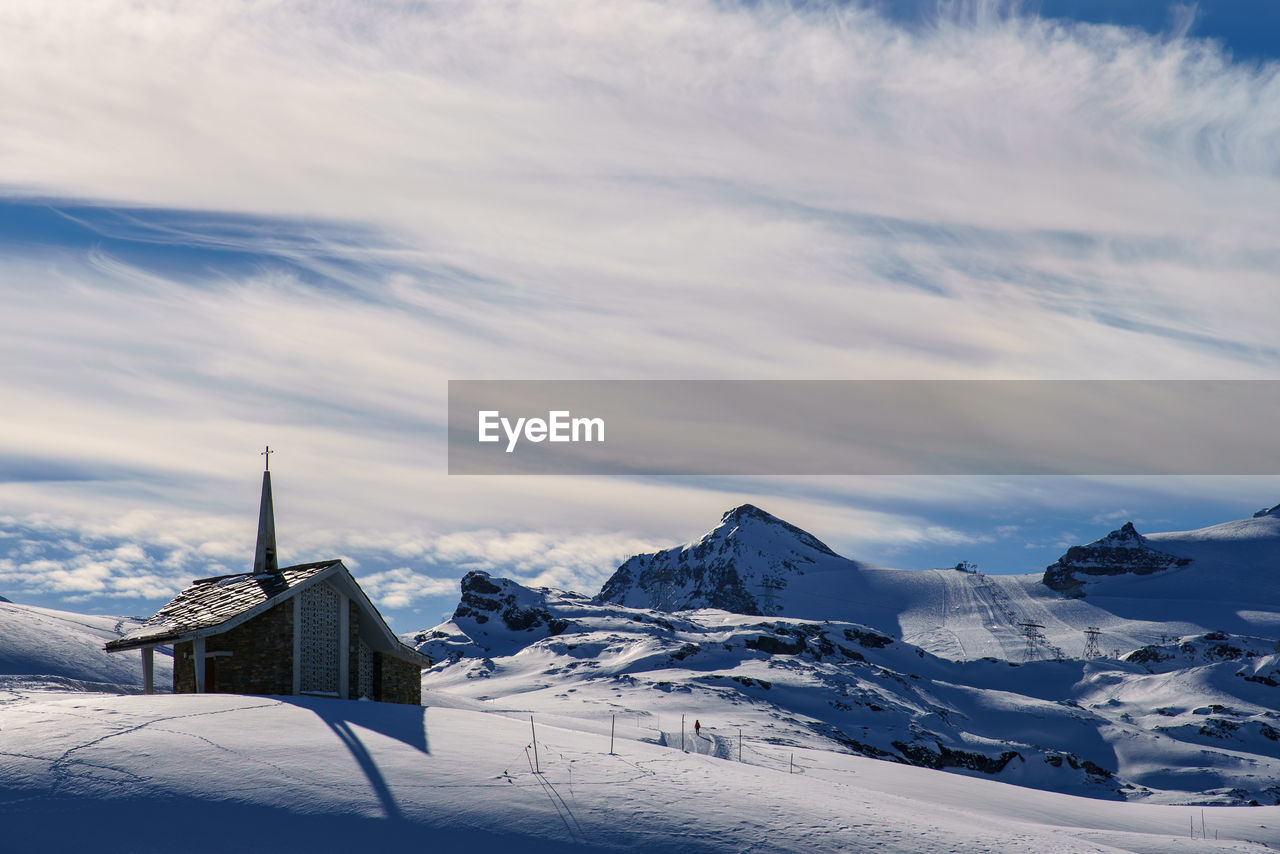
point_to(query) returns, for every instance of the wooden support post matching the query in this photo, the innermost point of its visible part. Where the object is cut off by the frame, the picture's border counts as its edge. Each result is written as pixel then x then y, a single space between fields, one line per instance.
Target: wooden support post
pixel 197 651
pixel 739 745
pixel 613 723
pixel 148 670
pixel 682 732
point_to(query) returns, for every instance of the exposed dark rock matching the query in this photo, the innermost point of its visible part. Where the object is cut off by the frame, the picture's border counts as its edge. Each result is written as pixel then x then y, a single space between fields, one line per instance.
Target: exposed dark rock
pixel 1122 552
pixel 478 582
pixel 748 682
pixel 716 579
pixel 1091 768
pixel 707 573
pixel 685 651
pixel 940 756
pixel 1147 655
pixel 852 744
pixel 867 639
pixel 1095 769
pixel 776 646
pixel 483 598
pixel 851 654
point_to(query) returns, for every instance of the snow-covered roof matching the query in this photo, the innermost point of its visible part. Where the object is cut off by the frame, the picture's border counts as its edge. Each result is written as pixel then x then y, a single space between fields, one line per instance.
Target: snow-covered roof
pixel 215 605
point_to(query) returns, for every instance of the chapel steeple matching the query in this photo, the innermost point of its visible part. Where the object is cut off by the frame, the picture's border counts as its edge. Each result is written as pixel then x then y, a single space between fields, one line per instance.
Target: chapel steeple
pixel 264 557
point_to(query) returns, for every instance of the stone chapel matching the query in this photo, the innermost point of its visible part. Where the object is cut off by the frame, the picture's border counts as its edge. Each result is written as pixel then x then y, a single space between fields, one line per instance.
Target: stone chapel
pixel 304 629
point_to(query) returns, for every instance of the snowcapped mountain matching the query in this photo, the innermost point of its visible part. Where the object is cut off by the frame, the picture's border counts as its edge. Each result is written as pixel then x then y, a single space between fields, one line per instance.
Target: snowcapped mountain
pixel 1134 588
pixel 923 668
pixel 1193 720
pixel 43 647
pixel 742 565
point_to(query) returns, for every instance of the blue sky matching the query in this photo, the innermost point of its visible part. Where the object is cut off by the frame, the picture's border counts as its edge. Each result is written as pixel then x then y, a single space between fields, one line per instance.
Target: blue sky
pixel 293 223
pixel 1247 28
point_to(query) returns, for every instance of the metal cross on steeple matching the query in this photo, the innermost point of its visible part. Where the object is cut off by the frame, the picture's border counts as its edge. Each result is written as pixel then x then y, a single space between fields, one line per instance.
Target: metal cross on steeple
pixel 267 453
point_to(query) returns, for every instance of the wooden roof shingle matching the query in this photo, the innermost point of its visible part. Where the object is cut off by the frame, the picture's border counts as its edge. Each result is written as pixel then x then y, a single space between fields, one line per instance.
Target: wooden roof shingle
pixel 210 602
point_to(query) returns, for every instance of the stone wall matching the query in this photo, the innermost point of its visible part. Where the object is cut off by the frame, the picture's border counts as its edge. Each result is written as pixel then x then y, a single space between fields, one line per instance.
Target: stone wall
pixel 184 669
pixel 261 659
pixel 262 654
pixel 396 680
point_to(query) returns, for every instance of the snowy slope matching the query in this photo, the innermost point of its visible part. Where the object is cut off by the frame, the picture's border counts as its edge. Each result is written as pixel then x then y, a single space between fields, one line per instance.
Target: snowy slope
pixel 39 646
pixel 115 774
pixel 1193 721
pixel 1187 583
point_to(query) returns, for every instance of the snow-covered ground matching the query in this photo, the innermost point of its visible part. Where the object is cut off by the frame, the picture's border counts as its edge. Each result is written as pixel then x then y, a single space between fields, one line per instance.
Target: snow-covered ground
pixel 924 668
pixel 40 646
pixel 865 709
pixel 220 773
pixel 1194 721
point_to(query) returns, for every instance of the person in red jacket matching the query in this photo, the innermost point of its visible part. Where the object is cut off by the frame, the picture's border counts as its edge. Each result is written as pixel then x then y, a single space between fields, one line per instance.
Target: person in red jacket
pixel 697 727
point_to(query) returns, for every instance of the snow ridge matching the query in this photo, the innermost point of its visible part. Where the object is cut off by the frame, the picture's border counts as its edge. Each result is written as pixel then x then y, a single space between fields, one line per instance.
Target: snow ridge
pixel 41 646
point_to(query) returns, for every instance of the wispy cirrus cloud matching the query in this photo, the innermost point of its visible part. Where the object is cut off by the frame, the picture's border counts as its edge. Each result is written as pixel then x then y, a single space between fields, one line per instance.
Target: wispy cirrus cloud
pixel 977 187
pixel 293 222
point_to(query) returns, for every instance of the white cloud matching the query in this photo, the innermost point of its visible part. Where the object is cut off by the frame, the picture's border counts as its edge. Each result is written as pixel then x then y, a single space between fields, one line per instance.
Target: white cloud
pixel 758 174
pixel 401 587
pixel 122 574
pixel 589 189
pixel 579 562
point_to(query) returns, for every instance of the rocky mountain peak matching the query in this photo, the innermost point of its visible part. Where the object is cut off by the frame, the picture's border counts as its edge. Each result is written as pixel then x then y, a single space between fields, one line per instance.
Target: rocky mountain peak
pixel 749 522
pixel 1122 552
pixel 742 565
pixel 745 512
pixel 505 603
pixel 1273 511
pixel 1126 536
